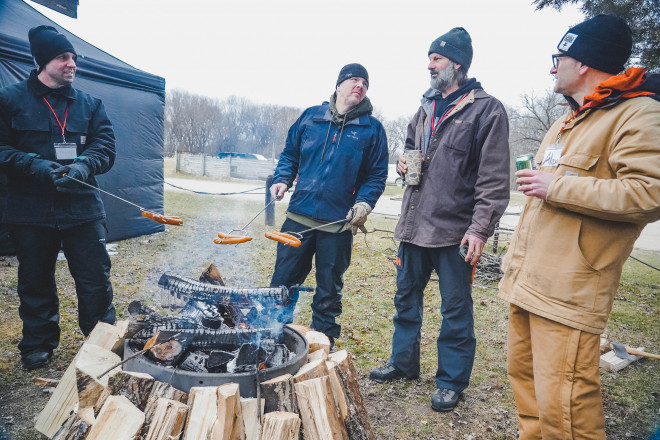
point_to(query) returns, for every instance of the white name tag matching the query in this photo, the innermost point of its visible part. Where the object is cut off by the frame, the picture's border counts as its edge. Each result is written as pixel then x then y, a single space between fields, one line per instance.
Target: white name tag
pixel 552 156
pixel 65 151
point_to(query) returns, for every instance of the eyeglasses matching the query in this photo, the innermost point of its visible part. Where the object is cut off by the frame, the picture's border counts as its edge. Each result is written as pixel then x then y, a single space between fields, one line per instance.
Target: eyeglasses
pixel 555 59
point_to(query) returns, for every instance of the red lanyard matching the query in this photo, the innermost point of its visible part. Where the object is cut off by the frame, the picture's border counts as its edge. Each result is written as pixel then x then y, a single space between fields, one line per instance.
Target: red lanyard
pixel 66 113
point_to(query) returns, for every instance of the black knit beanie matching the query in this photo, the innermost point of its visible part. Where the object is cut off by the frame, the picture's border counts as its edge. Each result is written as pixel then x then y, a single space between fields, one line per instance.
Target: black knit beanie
pixel 455 45
pixel 351 70
pixel 46 43
pixel 603 42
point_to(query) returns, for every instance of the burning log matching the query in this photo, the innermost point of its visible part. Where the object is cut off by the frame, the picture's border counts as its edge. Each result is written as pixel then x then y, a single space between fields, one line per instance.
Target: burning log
pixel 211 275
pixel 281 426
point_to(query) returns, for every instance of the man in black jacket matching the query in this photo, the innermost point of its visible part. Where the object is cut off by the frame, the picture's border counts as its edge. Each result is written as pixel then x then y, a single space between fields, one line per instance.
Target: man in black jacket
pixel 52 137
pixel 462 133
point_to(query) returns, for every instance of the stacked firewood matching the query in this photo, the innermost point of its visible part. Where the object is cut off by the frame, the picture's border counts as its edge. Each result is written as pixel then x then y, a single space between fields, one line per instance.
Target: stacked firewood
pixel 96 400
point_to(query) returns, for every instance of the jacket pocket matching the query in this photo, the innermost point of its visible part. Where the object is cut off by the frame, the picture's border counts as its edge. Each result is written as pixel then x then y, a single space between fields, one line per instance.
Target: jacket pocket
pixel 581 163
pixel 557 267
pixel 459 135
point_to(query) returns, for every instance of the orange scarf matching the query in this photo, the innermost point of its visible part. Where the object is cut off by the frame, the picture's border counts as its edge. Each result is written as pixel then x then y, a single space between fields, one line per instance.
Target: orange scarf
pixel 630 79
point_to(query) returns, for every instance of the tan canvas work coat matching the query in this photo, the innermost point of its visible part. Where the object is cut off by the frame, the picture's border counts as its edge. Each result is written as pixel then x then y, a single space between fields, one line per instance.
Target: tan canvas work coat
pixel 565 259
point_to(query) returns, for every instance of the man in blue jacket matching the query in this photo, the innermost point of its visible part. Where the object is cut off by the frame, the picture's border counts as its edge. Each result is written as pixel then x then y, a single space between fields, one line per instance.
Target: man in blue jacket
pixel 50 132
pixel 339 153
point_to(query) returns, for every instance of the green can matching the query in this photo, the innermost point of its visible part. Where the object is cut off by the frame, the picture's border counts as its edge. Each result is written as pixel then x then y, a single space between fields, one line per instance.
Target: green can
pixel 526 162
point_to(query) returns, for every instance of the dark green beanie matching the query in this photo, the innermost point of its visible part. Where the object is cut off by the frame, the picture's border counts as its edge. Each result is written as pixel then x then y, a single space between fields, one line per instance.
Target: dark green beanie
pixel 455 45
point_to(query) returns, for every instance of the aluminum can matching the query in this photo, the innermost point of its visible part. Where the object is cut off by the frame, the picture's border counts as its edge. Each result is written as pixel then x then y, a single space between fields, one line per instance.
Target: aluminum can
pixel 526 162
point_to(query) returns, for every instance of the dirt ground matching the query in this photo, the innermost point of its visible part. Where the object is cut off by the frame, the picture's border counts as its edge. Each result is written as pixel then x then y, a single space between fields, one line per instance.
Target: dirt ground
pixel 399 410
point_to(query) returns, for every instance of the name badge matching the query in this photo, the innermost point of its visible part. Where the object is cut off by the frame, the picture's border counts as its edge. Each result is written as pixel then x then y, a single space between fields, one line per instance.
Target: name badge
pixel 552 156
pixel 65 151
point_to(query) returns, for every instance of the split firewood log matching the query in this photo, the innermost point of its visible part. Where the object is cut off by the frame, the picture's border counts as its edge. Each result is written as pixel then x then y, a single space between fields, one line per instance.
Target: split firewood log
pixel 311 370
pixel 229 423
pixel 338 390
pixel 203 412
pixel 317 341
pixel 279 394
pixel 251 412
pixel 280 426
pixel 65 397
pixel 74 428
pixel 167 421
pixel 318 411
pixel 318 354
pixel 91 361
pixel 119 419
pixel 357 422
pixel 302 329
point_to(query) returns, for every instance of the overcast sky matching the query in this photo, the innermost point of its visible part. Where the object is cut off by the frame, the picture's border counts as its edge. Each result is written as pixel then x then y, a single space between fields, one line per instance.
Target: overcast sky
pixel 289 52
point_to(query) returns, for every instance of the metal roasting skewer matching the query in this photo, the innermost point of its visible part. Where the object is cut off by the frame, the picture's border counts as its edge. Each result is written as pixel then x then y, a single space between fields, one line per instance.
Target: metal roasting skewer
pixel 253 218
pixel 111 195
pixel 136 355
pixel 344 220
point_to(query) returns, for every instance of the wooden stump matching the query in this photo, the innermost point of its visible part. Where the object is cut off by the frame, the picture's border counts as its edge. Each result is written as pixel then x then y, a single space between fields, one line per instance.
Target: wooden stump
pixel 167 421
pixel 119 419
pixel 318 410
pixel 281 426
pixel 279 394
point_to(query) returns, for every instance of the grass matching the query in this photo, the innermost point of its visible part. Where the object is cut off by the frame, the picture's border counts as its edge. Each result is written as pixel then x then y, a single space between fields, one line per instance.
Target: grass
pixel 399 410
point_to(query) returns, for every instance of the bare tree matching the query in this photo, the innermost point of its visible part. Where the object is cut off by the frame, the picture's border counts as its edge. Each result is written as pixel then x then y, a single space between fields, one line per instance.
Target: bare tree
pixel 191 122
pixel 396 130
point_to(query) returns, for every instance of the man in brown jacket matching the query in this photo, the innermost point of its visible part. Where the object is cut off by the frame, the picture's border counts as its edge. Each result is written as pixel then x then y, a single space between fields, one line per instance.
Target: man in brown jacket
pixel 597 187
pixel 463 134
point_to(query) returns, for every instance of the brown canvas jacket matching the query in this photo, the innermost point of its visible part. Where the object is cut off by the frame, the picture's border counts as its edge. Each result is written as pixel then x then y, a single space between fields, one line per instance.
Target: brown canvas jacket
pixel 465 174
pixel 566 256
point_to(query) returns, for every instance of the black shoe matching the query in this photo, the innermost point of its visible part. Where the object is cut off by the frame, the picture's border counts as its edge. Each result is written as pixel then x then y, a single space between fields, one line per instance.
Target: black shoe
pixel 387 373
pixel 332 344
pixel 36 359
pixel 444 399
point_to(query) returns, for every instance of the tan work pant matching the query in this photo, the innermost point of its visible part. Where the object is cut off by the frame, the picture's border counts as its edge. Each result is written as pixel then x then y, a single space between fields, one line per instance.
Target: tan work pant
pixel 553 370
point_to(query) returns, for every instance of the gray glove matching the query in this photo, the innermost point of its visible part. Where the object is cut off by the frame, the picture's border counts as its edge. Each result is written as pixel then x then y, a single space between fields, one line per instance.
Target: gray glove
pixel 358 216
pixel 79 170
pixel 41 169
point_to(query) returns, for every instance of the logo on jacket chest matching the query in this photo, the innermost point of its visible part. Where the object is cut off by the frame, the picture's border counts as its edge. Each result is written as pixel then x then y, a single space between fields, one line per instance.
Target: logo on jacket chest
pixel 353 135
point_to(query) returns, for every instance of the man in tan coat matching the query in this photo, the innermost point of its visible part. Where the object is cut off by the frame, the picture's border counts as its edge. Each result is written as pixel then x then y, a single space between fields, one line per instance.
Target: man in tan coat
pixel 597 186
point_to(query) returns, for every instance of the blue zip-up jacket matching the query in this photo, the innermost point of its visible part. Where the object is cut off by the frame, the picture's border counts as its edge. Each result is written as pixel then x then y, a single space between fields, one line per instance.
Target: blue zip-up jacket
pixel 27 125
pixel 336 168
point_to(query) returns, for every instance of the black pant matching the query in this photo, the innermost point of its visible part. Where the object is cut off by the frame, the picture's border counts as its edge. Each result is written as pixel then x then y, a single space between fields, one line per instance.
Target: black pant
pixel 333 256
pixel 89 264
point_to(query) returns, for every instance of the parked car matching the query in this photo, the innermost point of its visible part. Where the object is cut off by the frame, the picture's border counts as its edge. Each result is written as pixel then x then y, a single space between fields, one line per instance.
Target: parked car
pixel 393 176
pixel 233 154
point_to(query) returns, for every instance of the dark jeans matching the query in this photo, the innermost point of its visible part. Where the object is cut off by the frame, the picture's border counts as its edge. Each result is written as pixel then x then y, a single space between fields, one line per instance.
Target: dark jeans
pixel 89 264
pixel 332 253
pixel 456 342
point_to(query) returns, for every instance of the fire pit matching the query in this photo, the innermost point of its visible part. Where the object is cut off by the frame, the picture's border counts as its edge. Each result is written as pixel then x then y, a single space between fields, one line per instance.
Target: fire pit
pixel 221 335
pixel 184 380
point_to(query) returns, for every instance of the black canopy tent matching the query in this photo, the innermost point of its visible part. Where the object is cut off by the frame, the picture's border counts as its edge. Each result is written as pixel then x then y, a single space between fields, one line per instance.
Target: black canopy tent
pixel 135 103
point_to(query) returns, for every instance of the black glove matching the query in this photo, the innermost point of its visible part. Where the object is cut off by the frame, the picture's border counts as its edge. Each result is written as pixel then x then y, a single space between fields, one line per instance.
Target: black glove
pixel 40 169
pixel 77 170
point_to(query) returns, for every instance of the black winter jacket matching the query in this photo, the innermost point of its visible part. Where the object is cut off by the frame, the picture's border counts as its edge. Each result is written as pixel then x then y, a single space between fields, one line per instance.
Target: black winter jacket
pixel 27 125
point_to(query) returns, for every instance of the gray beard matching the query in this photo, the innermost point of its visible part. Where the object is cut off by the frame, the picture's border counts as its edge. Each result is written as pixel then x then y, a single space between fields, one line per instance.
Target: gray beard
pixel 444 79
